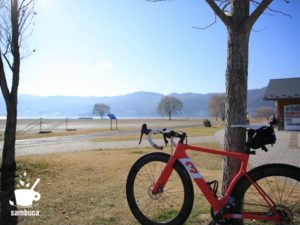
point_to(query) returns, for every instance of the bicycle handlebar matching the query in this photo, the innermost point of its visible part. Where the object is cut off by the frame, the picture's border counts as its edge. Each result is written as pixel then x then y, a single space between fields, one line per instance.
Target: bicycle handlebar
pixel 167 134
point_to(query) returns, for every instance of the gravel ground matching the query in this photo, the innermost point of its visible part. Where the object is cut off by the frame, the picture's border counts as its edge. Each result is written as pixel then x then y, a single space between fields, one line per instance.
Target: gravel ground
pixel 280 152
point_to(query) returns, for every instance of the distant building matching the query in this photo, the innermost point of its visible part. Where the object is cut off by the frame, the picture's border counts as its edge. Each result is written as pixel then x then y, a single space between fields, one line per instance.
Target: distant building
pixel 286 94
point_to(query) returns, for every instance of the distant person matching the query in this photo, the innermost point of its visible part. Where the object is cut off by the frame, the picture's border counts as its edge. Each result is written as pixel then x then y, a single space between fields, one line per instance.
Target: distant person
pixel 273 120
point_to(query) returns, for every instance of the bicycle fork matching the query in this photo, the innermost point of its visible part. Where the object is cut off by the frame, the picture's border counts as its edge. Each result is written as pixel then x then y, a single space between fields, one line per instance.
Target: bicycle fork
pixel 164 177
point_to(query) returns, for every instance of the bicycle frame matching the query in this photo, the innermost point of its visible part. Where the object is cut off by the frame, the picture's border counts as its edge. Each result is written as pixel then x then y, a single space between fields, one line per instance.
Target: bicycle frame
pixel 216 204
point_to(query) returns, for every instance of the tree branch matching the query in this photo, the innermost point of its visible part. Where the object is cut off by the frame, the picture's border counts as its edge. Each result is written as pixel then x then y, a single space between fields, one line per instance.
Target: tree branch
pixel 279 12
pixel 257 12
pixel 259 30
pixel 8 62
pixel 3 83
pixel 207 26
pixel 225 19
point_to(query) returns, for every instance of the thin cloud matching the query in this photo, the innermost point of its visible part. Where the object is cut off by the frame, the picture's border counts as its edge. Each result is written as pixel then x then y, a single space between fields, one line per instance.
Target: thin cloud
pixel 104 65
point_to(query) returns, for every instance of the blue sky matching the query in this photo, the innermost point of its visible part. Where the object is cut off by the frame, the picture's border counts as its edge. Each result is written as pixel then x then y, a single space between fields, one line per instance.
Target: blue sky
pixel 115 47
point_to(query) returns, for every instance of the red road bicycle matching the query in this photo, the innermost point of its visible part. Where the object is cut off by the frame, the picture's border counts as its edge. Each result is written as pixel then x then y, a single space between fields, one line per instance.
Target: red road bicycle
pixel 159 188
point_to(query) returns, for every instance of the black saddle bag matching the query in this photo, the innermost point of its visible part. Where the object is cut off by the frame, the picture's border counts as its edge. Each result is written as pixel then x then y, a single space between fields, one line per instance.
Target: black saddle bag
pixel 261 137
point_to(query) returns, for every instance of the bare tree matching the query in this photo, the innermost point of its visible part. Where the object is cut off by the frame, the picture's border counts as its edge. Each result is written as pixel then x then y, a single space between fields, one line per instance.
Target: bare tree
pixel 169 105
pixel 216 106
pixel 264 112
pixel 16 18
pixel 239 18
pixel 100 109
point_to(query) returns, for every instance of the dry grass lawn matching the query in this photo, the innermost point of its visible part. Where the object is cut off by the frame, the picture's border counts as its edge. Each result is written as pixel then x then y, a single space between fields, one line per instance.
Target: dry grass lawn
pixel 89 187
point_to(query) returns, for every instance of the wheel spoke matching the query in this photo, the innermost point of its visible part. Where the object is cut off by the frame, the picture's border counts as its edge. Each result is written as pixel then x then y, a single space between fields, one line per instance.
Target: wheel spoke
pixel 163 207
pixel 281 184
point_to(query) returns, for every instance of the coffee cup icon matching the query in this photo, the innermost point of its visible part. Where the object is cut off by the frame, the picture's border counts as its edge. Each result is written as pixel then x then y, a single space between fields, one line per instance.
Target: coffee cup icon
pixel 25 197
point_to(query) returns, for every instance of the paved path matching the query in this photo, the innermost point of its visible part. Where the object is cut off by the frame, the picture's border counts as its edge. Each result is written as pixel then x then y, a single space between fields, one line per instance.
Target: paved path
pixel 280 152
pixel 83 142
pixel 70 145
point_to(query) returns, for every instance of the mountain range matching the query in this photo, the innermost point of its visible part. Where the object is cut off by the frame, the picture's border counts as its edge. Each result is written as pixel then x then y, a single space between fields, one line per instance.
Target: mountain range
pixel 138 104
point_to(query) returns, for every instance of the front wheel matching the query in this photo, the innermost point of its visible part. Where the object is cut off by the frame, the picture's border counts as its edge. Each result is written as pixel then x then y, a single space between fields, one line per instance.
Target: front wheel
pixel 281 183
pixel 172 205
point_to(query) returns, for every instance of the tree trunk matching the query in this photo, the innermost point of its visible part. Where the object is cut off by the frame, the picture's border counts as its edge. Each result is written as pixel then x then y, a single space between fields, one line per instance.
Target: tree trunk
pixel 8 170
pixel 170 114
pixel 8 154
pixel 239 23
pixel 236 87
pixel 6 195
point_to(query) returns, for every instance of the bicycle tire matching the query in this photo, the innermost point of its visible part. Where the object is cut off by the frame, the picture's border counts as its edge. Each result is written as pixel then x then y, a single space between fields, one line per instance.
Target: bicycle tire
pixel 281 182
pixel 140 181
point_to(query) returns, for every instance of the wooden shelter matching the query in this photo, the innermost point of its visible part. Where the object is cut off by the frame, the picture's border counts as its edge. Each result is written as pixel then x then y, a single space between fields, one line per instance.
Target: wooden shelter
pixel 286 93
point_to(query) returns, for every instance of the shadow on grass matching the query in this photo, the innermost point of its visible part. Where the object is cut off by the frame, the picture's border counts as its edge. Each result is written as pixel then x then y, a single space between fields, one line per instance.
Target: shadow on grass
pixel 6 195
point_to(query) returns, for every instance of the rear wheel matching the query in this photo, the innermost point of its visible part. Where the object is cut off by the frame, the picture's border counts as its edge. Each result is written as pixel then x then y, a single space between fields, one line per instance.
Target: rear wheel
pixel 281 183
pixel 172 205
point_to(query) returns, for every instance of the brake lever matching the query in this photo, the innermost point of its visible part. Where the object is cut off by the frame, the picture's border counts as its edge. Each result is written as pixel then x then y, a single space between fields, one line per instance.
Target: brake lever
pixel 165 139
pixel 144 130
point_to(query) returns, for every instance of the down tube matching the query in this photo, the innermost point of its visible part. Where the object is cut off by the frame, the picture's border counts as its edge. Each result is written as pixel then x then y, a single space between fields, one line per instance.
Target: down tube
pixel 199 179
